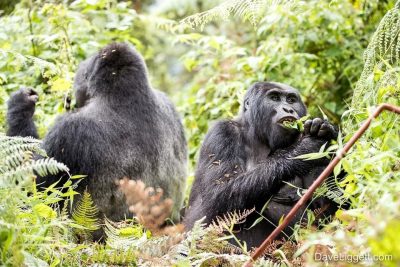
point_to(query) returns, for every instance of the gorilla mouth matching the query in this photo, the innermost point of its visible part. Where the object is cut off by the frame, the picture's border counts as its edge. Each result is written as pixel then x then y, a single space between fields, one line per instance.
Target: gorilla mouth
pixel 287 119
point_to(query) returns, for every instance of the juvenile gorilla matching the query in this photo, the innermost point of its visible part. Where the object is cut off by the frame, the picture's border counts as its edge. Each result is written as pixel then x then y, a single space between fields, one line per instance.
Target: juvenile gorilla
pixel 122 128
pixel 245 162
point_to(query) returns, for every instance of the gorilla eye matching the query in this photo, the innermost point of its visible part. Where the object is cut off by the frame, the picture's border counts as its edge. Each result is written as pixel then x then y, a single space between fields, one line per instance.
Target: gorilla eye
pixel 274 97
pixel 291 99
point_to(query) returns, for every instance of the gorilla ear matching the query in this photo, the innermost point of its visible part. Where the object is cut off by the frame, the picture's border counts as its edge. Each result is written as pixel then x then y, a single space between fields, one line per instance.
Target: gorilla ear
pixel 246 105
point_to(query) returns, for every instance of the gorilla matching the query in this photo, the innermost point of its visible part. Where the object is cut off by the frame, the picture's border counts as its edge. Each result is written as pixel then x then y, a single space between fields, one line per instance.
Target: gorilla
pixel 249 161
pixel 122 128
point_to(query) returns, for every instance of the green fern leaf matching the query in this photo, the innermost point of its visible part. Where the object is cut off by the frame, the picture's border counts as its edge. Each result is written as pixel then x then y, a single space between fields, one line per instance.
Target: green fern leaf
pixel 16 160
pixel 383 54
pixel 85 218
pixel 247 10
pixel 85 213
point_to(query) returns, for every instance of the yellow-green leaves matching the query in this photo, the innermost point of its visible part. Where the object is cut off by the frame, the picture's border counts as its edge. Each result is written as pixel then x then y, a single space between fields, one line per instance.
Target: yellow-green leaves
pixel 44 211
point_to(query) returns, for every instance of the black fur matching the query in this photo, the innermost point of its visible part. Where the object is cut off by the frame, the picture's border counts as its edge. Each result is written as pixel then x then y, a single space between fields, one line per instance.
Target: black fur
pixel 20 113
pixel 245 162
pixel 122 128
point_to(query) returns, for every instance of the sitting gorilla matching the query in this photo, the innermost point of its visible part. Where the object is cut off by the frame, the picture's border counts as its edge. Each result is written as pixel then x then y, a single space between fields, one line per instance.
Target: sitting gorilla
pixel 122 128
pixel 250 160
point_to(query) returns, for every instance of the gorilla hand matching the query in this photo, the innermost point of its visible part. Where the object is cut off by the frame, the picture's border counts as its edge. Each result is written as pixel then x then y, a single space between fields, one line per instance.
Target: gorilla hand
pixel 21 107
pixel 25 99
pixel 320 128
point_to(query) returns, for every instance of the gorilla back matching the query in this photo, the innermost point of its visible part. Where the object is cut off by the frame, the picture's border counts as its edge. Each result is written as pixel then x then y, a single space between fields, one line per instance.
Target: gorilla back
pixel 124 128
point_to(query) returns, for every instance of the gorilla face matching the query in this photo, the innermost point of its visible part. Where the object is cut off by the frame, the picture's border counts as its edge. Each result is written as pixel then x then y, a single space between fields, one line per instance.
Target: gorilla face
pixel 268 105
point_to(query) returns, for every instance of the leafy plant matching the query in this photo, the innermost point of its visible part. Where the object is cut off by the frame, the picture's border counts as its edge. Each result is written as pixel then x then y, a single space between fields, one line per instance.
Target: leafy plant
pixel 372 180
pixel 29 224
pixel 247 10
pixel 379 77
pixel 85 214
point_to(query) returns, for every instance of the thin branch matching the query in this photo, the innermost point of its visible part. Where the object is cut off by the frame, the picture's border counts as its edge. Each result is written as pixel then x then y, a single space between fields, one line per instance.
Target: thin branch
pixel 31 29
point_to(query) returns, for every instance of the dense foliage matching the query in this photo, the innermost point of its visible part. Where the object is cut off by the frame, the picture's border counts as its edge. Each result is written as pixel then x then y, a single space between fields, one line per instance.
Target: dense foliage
pixel 205 62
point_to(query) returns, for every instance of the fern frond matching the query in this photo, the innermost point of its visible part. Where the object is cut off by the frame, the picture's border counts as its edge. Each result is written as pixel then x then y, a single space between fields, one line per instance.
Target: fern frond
pixel 85 213
pixel 149 206
pixel 16 161
pixel 101 255
pixel 247 10
pixel 123 234
pixel 331 190
pixel 10 145
pixel 42 167
pixel 228 220
pixel 85 216
pixel 38 62
pixel 132 235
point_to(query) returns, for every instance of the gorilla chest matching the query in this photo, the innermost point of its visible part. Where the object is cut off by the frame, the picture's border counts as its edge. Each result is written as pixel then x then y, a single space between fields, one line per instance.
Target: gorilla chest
pixel 256 155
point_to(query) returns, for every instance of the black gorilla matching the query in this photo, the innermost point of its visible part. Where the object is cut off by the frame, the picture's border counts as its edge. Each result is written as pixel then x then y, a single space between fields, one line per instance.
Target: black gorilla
pixel 245 162
pixel 122 128
pixel 20 112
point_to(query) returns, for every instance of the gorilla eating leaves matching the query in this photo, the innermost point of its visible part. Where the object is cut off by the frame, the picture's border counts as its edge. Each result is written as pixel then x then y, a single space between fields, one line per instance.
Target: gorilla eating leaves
pixel 249 161
pixel 122 128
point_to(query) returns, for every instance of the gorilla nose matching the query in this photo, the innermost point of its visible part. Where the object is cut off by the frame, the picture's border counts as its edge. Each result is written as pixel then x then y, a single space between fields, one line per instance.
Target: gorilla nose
pixel 288 110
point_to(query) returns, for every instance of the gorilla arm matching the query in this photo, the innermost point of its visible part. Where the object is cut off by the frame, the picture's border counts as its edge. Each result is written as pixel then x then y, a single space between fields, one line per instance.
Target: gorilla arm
pixel 69 129
pixel 21 108
pixel 224 185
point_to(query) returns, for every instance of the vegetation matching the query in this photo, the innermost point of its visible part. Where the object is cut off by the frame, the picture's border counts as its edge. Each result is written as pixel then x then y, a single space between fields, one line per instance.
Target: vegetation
pixel 343 55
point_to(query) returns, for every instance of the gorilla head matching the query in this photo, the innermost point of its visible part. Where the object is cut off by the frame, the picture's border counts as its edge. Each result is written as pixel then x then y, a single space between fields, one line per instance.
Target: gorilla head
pixel 266 106
pixel 111 63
